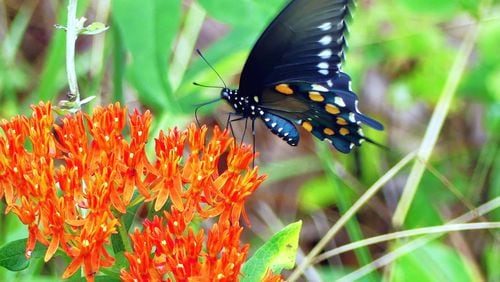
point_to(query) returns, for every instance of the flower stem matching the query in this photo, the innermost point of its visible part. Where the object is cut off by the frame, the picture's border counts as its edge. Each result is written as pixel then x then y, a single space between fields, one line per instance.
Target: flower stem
pixel 71 36
pixel 122 230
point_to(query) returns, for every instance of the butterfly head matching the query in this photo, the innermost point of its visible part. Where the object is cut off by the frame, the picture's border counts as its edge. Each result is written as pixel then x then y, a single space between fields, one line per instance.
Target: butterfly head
pixel 236 101
pixel 228 94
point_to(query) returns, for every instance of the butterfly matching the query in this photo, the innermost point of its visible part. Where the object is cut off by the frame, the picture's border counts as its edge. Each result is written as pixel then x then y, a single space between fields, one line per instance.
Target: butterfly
pixel 292 77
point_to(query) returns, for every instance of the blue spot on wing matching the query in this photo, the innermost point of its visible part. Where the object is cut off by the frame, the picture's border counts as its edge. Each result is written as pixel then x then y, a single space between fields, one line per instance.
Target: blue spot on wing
pixel 282 127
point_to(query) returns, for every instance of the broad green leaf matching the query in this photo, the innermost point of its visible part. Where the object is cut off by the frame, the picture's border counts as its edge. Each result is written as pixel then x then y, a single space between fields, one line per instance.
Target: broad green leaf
pixel 12 255
pixel 492 258
pixel 433 262
pixel 148 29
pixel 235 12
pixel 440 7
pixel 276 254
pixel 332 273
pixel 106 278
pixel 423 210
pixel 316 194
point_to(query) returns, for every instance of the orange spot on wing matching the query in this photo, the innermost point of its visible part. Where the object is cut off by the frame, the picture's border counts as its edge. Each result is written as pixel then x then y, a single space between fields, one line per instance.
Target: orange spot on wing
pixel 332 109
pixel 316 96
pixel 341 121
pixel 328 131
pixel 344 131
pixel 284 89
pixel 307 126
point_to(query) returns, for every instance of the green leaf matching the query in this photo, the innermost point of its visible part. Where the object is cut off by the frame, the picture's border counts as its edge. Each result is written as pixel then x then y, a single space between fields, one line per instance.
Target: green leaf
pixel 12 255
pixel 261 10
pixel 491 258
pixel 446 7
pixel 433 262
pixel 94 28
pixel 316 194
pixel 105 278
pixel 332 273
pixel 148 29
pixel 276 254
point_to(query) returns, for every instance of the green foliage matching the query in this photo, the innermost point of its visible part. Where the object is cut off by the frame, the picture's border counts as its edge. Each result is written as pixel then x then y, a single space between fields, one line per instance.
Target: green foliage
pixel 276 254
pixel 146 32
pixel 12 255
pixel 433 262
pixel 406 46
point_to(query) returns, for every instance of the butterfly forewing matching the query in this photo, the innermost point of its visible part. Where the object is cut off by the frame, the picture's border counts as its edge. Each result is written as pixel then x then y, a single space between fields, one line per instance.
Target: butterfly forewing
pixel 305 42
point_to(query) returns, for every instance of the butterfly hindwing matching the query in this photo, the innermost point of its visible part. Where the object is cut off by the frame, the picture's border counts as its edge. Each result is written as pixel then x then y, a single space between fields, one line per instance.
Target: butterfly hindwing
pixel 328 112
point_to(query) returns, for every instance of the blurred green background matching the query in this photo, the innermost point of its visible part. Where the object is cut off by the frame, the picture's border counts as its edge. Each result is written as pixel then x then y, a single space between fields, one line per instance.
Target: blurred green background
pixel 400 55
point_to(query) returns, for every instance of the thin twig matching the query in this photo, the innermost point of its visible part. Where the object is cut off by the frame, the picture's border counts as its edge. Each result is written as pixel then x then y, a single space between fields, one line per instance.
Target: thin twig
pixel 419 242
pixel 434 127
pixel 71 36
pixel 407 233
pixel 342 220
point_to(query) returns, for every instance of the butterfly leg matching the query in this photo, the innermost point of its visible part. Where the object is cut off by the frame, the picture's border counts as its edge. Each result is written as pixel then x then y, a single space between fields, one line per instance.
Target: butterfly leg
pixel 253 142
pixel 229 123
pixel 244 131
pixel 196 117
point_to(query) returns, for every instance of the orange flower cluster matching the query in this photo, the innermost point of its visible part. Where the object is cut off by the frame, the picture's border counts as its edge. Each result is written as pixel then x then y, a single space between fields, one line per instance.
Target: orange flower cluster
pixel 71 182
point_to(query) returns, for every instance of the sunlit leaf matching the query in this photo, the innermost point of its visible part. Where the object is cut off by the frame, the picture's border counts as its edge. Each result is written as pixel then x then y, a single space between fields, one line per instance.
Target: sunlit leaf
pixel 276 254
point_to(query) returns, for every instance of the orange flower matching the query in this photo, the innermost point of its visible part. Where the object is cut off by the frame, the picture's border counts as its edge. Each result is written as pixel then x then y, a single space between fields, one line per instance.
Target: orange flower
pixel 88 249
pixel 173 250
pixel 71 181
pixel 271 277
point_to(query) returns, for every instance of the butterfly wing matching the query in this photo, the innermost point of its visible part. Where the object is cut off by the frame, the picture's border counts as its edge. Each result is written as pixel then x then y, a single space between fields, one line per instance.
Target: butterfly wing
pixel 329 113
pixel 305 42
pixel 293 72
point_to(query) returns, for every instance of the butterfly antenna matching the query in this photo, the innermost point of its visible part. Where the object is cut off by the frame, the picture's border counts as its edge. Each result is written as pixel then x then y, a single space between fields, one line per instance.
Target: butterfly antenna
pixel 198 106
pixel 207 86
pixel 206 61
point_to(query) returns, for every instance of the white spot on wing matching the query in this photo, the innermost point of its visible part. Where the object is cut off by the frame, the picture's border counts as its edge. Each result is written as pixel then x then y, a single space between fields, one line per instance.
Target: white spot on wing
pixel 325 54
pixel 352 117
pixel 256 99
pixel 323 65
pixel 273 124
pixel 360 132
pixel 324 72
pixel 325 26
pixel 317 87
pixel 339 101
pixel 325 40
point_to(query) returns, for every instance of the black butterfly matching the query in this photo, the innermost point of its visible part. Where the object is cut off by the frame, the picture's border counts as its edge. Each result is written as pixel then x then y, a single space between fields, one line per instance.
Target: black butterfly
pixel 293 76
